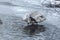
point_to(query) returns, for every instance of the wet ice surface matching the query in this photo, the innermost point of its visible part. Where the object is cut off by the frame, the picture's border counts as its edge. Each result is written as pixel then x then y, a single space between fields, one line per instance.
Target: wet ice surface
pixel 12 27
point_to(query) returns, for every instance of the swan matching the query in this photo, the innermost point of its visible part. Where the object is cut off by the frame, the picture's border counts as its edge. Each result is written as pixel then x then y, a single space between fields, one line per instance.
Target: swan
pixel 34 18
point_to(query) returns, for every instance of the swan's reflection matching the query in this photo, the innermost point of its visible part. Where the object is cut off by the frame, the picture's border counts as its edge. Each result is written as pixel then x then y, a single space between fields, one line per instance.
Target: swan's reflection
pixel 33 29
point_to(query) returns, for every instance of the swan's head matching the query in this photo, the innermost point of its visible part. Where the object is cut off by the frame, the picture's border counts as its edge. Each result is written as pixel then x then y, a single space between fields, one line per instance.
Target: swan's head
pixel 36 16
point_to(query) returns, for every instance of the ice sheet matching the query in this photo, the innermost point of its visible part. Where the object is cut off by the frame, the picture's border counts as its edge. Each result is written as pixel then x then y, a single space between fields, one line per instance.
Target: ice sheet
pixel 12 11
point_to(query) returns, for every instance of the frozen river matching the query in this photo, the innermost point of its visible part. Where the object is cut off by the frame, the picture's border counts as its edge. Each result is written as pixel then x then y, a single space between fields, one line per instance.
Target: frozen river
pixel 12 12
